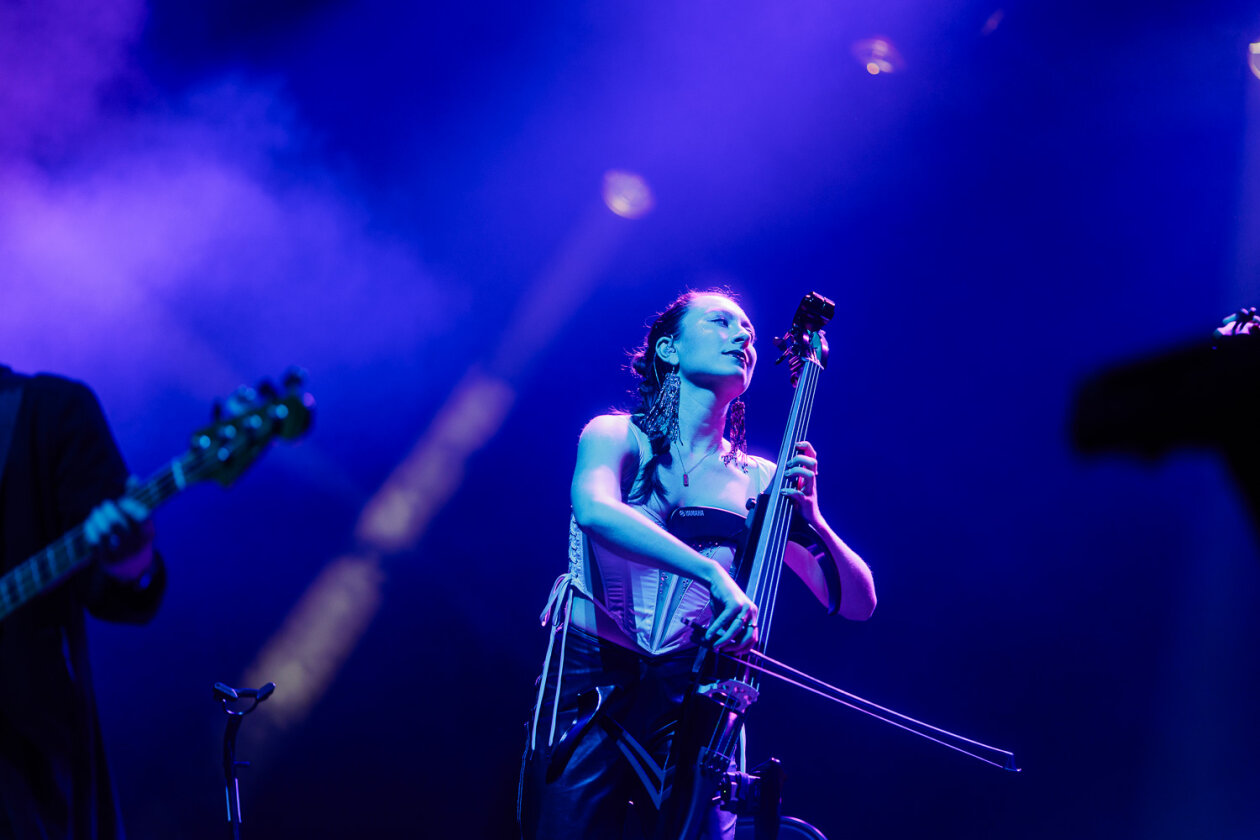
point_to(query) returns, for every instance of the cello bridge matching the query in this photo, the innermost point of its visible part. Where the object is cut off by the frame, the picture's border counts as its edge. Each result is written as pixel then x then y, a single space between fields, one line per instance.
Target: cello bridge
pixel 731 694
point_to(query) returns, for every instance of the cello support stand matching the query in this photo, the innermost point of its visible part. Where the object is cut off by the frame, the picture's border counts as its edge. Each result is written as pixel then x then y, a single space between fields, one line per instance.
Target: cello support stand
pixel 758 794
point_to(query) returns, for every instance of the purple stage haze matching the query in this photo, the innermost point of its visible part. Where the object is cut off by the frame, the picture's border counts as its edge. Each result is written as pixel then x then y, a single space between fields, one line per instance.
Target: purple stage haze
pixel 405 199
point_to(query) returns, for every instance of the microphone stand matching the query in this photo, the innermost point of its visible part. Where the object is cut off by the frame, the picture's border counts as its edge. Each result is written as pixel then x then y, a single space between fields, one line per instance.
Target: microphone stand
pixel 232 788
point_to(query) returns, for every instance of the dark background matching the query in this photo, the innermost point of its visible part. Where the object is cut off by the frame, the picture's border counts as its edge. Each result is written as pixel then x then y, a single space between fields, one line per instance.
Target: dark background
pixel 199 193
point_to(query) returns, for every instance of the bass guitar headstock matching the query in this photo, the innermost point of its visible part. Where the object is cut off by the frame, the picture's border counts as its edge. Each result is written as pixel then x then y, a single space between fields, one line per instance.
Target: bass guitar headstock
pixel 246 424
pixel 805 340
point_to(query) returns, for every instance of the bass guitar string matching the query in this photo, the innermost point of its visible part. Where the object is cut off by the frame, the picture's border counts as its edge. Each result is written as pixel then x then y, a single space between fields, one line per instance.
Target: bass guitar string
pixel 64 553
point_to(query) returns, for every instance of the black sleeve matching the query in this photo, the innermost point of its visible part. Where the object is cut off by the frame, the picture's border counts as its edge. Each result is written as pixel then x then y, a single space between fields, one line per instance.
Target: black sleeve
pixel 110 599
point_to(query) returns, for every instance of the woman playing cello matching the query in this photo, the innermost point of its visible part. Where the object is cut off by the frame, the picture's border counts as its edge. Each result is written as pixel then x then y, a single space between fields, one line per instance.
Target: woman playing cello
pixel 637 600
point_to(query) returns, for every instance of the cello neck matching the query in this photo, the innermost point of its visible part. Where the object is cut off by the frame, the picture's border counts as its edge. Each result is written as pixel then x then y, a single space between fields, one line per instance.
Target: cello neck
pixel 776 509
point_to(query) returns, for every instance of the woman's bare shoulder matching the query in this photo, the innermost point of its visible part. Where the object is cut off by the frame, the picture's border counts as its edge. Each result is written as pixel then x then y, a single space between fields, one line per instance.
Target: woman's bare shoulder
pixel 609 427
pixel 611 432
pixel 607 447
pixel 764 467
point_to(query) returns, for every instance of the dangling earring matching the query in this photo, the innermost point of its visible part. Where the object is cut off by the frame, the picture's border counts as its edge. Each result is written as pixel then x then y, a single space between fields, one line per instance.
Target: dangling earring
pixel 661 420
pixel 739 443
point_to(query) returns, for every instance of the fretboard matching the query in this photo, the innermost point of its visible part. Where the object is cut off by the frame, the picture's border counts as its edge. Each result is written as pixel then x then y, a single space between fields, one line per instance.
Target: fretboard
pixel 54 563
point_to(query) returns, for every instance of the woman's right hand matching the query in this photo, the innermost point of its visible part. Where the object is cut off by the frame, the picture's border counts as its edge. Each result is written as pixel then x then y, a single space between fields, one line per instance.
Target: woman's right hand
pixel 734 615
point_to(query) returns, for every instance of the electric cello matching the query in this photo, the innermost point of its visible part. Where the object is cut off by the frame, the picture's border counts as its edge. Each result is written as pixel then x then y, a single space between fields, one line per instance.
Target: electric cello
pixel 726 686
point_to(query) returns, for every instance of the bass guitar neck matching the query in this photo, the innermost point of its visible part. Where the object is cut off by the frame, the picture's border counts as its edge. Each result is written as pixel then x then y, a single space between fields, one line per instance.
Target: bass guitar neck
pixel 219 452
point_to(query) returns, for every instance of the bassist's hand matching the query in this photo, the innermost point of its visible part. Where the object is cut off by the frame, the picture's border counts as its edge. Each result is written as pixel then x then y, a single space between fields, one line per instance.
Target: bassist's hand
pixel 734 623
pixel 122 534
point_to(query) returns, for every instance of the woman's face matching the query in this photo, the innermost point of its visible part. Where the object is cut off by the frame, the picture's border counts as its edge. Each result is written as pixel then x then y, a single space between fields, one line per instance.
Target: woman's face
pixel 715 342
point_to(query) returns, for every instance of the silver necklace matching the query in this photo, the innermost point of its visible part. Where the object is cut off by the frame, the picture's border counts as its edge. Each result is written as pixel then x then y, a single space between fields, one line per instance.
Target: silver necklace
pixel 696 465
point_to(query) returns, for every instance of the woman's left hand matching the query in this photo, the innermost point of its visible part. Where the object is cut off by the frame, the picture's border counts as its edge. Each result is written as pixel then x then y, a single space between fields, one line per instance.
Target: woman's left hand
pixel 802 472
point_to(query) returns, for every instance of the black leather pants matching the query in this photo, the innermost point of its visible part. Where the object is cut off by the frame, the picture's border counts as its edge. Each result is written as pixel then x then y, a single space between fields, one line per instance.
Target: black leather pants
pixel 582 786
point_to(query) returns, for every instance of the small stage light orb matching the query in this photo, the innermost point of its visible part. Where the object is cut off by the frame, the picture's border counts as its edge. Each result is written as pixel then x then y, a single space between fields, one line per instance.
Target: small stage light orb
pixel 1253 58
pixel 994 21
pixel 877 55
pixel 627 194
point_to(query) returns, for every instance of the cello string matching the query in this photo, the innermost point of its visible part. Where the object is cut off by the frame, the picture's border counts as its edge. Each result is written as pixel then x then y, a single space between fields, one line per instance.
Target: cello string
pixel 782 513
pixel 774 523
pixel 775 520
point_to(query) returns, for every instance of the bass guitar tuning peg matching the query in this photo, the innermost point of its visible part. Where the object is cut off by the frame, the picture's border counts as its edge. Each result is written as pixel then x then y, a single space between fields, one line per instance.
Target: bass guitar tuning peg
pixel 293 377
pixel 241 399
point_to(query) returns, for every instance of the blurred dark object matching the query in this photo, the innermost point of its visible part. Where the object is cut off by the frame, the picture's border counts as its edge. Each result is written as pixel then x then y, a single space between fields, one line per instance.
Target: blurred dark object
pixel 1242 322
pixel 1204 395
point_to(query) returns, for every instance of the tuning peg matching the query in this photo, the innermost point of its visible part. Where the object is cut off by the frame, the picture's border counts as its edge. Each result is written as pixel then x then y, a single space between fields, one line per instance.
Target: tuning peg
pixel 241 399
pixel 267 389
pixel 293 377
pixel 216 411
